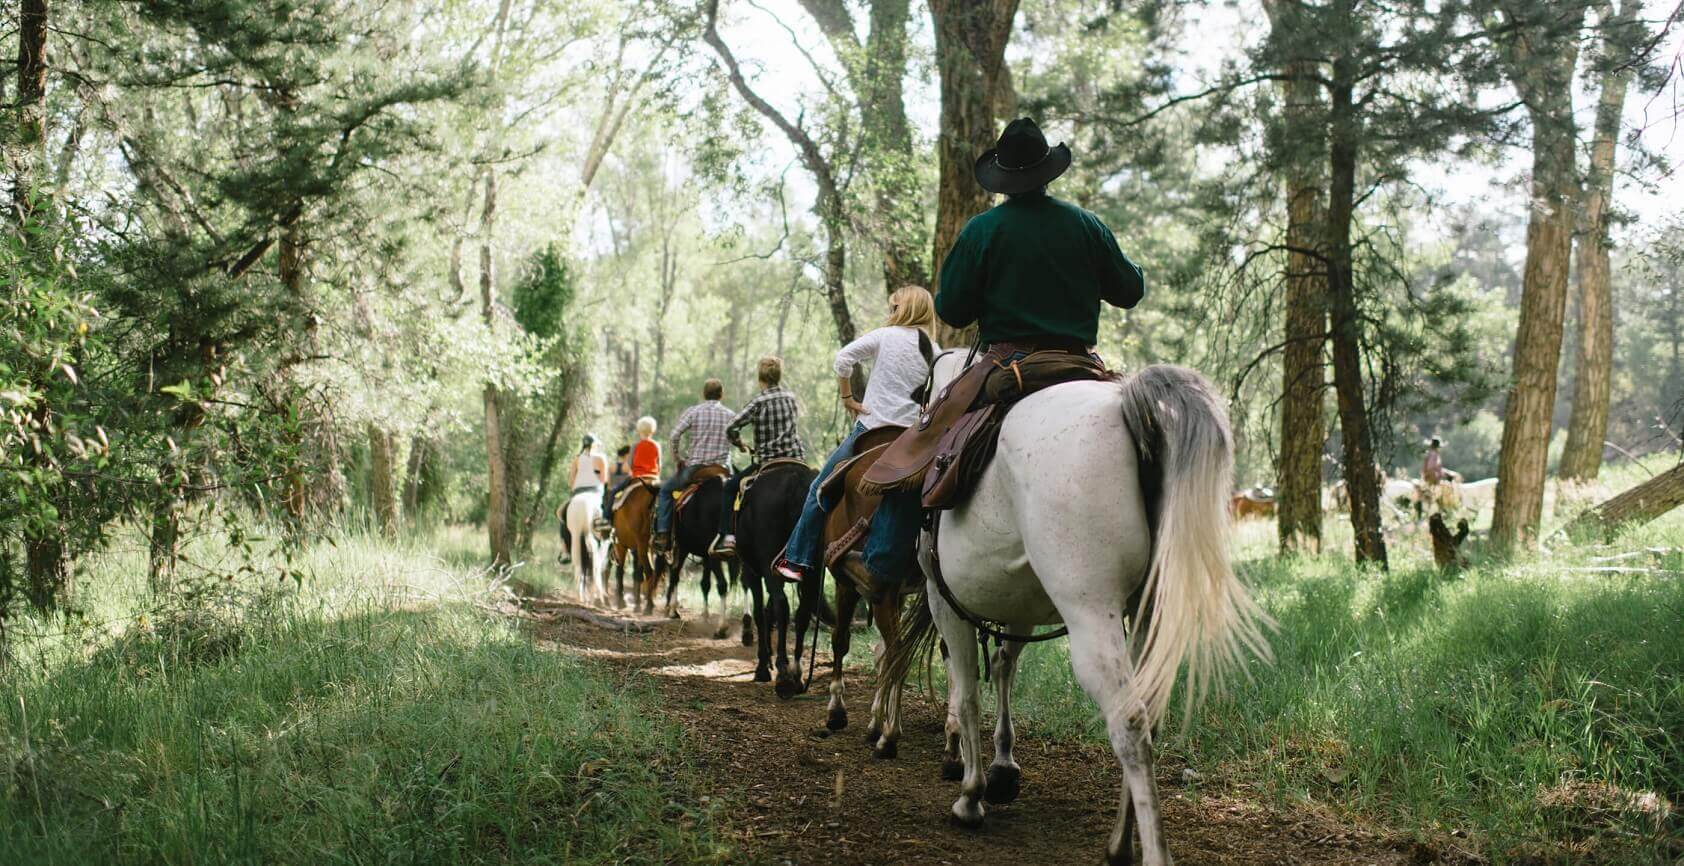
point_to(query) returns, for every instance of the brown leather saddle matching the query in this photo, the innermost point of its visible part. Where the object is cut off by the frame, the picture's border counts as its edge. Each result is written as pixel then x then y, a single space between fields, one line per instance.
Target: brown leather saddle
pixel 643 482
pixel 702 476
pixel 944 455
pixel 848 508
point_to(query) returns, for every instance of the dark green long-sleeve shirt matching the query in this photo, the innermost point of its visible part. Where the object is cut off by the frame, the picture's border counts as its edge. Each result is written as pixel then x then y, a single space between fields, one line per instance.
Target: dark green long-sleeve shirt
pixel 1035 266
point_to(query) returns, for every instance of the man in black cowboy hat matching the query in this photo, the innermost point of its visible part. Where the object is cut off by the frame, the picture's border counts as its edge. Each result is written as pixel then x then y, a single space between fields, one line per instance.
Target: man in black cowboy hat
pixel 1031 272
pixel 1033 269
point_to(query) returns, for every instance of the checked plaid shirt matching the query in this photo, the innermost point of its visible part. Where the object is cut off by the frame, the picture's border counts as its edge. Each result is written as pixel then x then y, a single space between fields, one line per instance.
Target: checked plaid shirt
pixel 772 413
pixel 705 422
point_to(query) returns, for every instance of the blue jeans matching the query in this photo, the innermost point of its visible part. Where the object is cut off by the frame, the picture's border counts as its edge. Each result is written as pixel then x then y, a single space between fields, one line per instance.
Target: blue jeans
pixel 665 504
pixel 890 542
pixel 806 541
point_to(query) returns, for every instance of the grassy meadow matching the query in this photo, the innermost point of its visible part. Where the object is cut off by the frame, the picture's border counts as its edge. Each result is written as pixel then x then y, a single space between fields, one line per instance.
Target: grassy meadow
pixel 1522 711
pixel 376 712
pixel 1529 710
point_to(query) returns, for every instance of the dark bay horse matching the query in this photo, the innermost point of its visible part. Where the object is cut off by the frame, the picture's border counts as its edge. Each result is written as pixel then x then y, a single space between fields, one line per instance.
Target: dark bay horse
pixel 694 527
pixel 767 515
pixel 633 521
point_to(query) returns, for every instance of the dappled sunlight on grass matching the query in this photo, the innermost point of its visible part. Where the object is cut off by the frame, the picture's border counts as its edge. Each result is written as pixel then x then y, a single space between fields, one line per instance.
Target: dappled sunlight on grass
pixel 375 708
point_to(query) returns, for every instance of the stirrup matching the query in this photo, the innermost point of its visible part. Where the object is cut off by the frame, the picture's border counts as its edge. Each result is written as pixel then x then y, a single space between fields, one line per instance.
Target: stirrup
pixel 724 547
pixel 788 570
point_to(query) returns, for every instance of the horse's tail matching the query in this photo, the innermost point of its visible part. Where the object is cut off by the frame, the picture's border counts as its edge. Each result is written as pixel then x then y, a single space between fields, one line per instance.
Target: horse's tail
pixel 916 641
pixel 1194 609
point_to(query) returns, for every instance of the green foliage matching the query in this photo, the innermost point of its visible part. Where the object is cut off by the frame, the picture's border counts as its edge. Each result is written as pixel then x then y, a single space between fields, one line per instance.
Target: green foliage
pixel 1511 707
pixel 544 293
pixel 342 723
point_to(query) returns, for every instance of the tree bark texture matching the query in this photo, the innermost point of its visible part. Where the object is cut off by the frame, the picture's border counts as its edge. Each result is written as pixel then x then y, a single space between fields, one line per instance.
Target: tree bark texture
pixel 1639 505
pixel 27 153
pixel 875 73
pixel 384 492
pixel 1544 79
pixel 1587 427
pixel 1303 380
pixel 412 477
pixel 971 38
pixel 1361 474
pixel 497 483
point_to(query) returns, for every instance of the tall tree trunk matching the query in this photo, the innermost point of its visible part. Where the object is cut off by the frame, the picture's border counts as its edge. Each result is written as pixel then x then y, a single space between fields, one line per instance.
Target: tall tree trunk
pixel 412 477
pixel 1545 84
pixel 47 563
pixel 384 493
pixel 27 155
pixel 971 38
pixel 1303 431
pixel 1361 474
pixel 1587 427
pixel 497 482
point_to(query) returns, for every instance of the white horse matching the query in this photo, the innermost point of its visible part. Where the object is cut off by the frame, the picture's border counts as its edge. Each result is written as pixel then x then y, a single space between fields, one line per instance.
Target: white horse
pixel 1105 508
pixel 1476 496
pixel 582 512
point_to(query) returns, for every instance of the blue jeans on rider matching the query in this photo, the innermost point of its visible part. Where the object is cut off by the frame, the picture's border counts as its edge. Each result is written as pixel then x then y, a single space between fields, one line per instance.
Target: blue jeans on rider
pixel 889 543
pixel 664 504
pixel 806 541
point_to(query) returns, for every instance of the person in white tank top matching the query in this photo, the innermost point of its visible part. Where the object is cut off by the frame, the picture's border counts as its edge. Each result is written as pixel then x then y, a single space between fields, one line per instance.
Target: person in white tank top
pixel 590 471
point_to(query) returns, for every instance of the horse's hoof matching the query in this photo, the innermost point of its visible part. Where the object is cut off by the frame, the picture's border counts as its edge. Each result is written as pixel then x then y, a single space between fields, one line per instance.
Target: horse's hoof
pixel 952 770
pixel 748 636
pixel 968 819
pixel 762 675
pixel 886 751
pixel 672 613
pixel 838 719
pixel 648 610
pixel 1004 781
pixel 721 633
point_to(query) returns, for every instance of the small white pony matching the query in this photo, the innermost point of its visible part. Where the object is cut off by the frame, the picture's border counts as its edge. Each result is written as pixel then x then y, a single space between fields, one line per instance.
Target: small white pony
pixel 582 511
pixel 1105 508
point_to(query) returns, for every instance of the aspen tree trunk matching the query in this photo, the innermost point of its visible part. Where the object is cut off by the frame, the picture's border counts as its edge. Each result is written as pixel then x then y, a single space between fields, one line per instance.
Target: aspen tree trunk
pixel 1361 474
pixel 496 464
pixel 971 38
pixel 1587 427
pixel 1544 80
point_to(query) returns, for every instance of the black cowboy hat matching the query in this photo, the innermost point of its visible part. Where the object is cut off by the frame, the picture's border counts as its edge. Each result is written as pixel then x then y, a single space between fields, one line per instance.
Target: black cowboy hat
pixel 1021 161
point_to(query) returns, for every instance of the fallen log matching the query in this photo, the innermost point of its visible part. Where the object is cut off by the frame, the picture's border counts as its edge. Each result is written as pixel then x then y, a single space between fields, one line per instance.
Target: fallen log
pixel 1636 506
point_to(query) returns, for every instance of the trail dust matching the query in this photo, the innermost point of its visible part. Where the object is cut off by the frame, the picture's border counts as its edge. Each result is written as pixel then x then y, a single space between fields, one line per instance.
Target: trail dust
pixel 792 792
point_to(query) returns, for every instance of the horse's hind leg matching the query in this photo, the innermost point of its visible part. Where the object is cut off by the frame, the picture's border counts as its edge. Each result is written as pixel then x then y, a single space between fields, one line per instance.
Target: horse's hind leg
pixel 710 564
pixel 1099 654
pixel 1004 775
pixel 847 598
pixel 885 706
pixel 672 585
pixel 963 674
pixel 761 628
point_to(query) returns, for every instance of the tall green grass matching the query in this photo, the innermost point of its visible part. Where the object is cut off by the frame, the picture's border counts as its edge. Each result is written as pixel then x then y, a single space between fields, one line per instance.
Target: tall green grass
pixel 1524 709
pixel 374 714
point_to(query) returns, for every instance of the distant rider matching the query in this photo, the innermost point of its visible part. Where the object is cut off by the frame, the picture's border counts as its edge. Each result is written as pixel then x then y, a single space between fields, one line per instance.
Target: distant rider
pixel 705 424
pixel 773 414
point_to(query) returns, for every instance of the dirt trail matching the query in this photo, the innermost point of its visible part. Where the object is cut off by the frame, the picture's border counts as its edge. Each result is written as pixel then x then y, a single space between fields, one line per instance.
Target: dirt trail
pixel 795 793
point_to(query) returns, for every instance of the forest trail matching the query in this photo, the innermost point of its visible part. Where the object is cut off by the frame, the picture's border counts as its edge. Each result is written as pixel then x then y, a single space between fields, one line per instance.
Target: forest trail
pixel 794 793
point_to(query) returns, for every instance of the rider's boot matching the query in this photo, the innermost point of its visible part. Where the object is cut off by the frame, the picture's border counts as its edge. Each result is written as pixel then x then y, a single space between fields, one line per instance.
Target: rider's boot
pixel 725 547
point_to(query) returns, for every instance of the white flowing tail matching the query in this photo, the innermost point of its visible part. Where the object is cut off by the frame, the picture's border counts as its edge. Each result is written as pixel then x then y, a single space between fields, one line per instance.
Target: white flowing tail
pixel 1194 608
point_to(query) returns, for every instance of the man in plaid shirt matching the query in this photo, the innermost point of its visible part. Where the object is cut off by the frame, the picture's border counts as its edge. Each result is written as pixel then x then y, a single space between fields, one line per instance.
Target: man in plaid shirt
pixel 772 413
pixel 705 424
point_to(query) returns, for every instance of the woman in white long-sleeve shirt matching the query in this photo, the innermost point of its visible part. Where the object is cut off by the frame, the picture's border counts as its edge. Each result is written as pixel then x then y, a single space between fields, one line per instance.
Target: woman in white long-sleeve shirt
pixel 898 367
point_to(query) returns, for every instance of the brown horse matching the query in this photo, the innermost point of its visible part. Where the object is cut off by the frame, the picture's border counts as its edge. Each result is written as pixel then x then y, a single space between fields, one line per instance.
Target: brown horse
pixel 845 530
pixel 634 519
